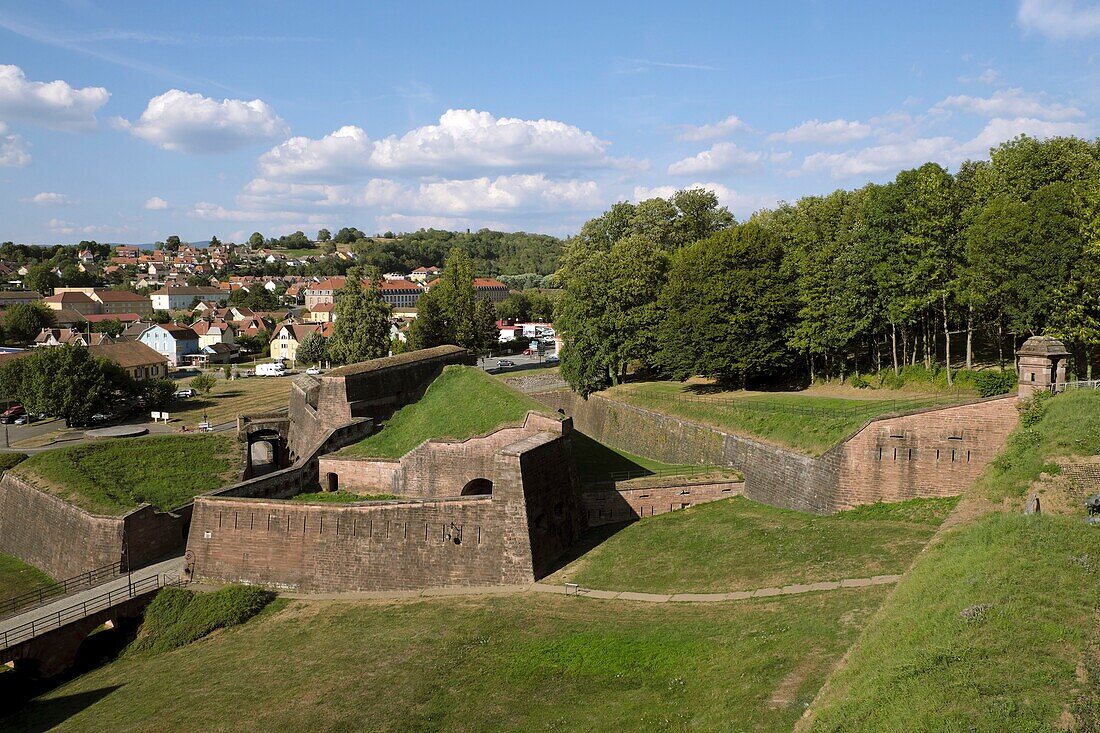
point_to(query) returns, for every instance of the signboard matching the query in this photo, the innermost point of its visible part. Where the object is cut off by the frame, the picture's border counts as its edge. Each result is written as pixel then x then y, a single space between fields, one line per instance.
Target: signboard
pixel 156 415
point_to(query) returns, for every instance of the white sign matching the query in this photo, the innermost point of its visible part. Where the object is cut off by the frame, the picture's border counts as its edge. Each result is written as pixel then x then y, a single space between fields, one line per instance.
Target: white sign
pixel 156 416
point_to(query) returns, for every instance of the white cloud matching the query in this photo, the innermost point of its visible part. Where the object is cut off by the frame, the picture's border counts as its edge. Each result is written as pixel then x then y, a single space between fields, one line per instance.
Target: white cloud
pixel 193 123
pixel 341 155
pixel 1060 19
pixel 465 141
pixel 49 198
pixel 13 150
pixel 1009 103
pixel 999 130
pixel 879 158
pixel 989 76
pixel 60 226
pixel 50 104
pixel 726 127
pixel 825 133
pixel 720 157
pixel 156 203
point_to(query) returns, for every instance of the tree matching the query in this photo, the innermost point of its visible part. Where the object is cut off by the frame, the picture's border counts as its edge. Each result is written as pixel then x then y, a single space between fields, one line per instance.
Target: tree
pixel 430 327
pixel 727 307
pixel 112 326
pixel 24 321
pixel 41 278
pixel 312 349
pixel 256 241
pixel 204 384
pixel 172 244
pixel 66 381
pixel 362 328
pixel 198 280
pixel 323 235
pixel 157 393
pixel 485 315
pixel 347 235
pixel 214 241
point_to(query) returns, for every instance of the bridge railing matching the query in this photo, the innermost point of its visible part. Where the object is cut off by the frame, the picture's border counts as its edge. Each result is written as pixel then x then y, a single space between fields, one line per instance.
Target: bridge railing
pixel 57 619
pixel 47 592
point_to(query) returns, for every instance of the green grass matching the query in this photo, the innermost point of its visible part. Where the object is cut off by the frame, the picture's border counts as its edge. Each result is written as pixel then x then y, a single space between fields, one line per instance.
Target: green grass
pixel 512 663
pixel 596 461
pixel 340 497
pixel 229 399
pixel 18 577
pixel 737 544
pixel 1031 584
pixel 461 403
pixel 1065 425
pixel 805 422
pixel 177 617
pixel 114 476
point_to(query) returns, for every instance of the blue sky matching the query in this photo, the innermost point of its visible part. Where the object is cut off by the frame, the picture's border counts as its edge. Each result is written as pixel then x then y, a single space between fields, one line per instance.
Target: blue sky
pixel 130 121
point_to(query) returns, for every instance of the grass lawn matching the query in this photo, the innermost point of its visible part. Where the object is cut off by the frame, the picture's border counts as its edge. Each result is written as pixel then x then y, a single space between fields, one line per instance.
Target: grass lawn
pixel 340 497
pixel 116 476
pixel 461 403
pixel 597 462
pixel 229 399
pixel 806 422
pixel 18 577
pixel 737 544
pixel 985 634
pixel 512 663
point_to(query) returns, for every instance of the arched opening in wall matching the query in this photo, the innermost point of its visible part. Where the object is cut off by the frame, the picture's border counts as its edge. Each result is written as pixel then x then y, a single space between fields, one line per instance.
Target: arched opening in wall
pixel 261 457
pixel 478 487
pixel 332 482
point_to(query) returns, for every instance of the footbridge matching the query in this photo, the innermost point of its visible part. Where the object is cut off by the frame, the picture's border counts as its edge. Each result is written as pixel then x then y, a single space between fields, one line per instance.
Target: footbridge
pixel 43 641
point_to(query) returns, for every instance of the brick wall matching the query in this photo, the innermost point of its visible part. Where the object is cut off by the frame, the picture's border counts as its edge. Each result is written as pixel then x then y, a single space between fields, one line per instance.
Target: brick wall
pixel 436 467
pixel 851 473
pixel 403 544
pixel 611 505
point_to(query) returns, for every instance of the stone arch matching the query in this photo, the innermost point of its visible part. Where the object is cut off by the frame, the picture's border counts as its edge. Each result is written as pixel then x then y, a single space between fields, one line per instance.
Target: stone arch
pixel 478 487
pixel 266 447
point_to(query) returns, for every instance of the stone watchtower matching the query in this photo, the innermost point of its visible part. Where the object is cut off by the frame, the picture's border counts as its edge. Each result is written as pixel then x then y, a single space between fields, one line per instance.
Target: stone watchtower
pixel 1041 364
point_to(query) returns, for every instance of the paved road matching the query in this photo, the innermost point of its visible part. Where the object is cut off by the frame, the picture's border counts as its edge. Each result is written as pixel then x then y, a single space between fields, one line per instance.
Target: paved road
pixel 521 362
pixel 171 567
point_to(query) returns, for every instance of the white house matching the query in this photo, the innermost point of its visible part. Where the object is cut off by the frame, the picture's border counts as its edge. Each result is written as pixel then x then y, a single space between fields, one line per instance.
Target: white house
pixel 181 296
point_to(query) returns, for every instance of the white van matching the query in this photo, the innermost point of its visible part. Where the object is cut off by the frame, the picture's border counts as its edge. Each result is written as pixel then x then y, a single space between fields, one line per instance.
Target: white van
pixel 277 369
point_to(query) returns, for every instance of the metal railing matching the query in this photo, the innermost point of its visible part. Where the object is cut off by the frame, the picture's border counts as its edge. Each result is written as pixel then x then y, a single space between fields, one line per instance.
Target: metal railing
pixel 1084 384
pixel 40 596
pixel 57 619
pixel 646 473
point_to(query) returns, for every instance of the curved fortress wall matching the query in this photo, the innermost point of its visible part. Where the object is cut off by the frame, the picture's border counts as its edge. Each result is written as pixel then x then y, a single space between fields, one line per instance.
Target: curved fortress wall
pixel 937 452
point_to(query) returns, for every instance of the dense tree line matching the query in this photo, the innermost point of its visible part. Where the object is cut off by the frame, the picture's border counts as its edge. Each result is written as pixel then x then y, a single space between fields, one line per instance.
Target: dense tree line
pixel 452 313
pixel 491 253
pixel 914 271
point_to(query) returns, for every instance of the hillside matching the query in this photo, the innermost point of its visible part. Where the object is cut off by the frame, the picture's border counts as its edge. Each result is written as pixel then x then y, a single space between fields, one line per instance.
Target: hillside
pixel 115 476
pixel 461 403
pixel 993 628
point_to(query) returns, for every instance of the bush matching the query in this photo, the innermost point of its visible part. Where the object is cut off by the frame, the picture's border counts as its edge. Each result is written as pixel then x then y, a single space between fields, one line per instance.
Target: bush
pixel 918 374
pixel 1033 409
pixel 177 617
pixel 991 383
pixel 859 382
pixel 893 381
pixel 10 460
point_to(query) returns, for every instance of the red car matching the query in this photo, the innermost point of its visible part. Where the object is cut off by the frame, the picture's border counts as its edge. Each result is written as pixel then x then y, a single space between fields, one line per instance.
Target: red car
pixel 9 415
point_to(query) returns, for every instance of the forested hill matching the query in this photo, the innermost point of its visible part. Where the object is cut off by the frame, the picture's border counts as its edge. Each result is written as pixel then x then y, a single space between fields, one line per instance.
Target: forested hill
pixel 492 253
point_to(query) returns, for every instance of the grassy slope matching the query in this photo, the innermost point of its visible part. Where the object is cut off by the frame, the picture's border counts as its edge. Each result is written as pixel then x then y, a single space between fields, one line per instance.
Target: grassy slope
pixel 595 460
pixel 922 666
pixel 115 476
pixel 516 663
pixel 461 403
pixel 775 418
pixel 739 544
pixel 18 577
pixel 339 497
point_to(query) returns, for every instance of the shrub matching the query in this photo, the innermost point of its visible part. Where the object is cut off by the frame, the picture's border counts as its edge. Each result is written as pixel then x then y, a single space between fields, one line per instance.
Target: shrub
pixel 177 617
pixel 10 460
pixel 918 374
pixel 859 382
pixel 991 383
pixel 893 381
pixel 1033 409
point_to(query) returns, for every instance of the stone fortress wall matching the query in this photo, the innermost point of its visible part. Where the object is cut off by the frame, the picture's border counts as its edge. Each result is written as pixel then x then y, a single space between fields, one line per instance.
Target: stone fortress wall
pixel 937 452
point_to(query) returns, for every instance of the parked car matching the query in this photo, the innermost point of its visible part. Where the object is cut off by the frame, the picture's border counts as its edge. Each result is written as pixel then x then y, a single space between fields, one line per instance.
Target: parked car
pixel 102 417
pixel 9 415
pixel 506 363
pixel 184 393
pixel 529 352
pixel 23 419
pixel 276 369
pixel 552 359
pixel 313 371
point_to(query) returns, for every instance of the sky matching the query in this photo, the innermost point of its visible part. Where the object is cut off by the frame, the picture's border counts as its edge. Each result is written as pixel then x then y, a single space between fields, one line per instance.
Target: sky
pixel 132 121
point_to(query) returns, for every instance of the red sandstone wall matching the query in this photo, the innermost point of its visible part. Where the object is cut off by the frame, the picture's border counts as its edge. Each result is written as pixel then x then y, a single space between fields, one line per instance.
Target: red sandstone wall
pixel 935 453
pixel 53 535
pixel 608 506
